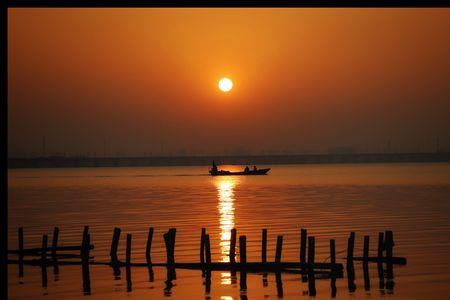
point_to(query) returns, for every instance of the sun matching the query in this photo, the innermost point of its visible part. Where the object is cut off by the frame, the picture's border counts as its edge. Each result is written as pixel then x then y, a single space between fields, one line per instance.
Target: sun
pixel 225 84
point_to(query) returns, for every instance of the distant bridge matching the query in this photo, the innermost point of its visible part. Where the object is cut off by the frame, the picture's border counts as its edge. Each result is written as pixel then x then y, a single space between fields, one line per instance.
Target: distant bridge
pixel 74 162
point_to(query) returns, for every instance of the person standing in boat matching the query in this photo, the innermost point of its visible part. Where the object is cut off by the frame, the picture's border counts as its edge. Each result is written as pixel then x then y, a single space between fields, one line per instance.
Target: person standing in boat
pixel 214 167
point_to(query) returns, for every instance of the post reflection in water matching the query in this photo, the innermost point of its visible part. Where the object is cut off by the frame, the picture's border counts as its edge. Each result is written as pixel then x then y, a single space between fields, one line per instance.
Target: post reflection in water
pixel 225 188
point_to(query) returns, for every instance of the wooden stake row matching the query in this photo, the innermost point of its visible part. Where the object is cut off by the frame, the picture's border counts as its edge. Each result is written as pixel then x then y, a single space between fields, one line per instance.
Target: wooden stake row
pixel 385 243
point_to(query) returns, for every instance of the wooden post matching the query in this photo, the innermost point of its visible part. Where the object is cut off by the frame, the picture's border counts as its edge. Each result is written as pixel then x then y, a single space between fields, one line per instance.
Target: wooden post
pixel 86 248
pixel 350 267
pixel 243 248
pixel 115 244
pixel 128 250
pixel 20 235
pixel 389 253
pixel 311 276
pixel 332 251
pixel 380 244
pixel 389 244
pixel 84 251
pixel 85 231
pixel 149 246
pixel 303 237
pixel 264 246
pixel 54 247
pixel 350 247
pixel 84 241
pixel 169 239
pixel 44 248
pixel 55 241
pixel 233 245
pixel 202 246
pixel 278 249
pixel 311 250
pixel 366 248
pixel 208 249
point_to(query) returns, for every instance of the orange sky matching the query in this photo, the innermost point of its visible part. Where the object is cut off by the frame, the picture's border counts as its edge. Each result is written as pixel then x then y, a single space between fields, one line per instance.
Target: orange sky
pixel 145 80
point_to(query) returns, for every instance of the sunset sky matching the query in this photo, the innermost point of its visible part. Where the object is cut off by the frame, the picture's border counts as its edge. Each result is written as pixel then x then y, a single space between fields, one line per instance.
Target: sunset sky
pixel 146 80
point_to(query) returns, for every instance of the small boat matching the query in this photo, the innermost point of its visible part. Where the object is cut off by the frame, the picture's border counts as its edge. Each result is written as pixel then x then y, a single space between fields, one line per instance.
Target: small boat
pixel 214 171
pixel 229 173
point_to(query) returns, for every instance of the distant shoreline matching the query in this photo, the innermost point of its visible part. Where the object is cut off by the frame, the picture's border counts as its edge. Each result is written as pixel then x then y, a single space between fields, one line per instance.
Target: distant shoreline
pixel 89 162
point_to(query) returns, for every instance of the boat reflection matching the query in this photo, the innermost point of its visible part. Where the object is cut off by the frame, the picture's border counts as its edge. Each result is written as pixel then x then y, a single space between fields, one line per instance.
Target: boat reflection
pixel 225 189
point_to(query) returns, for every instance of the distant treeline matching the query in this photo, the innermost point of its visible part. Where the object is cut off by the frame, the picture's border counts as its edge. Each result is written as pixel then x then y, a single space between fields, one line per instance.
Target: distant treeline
pixel 74 162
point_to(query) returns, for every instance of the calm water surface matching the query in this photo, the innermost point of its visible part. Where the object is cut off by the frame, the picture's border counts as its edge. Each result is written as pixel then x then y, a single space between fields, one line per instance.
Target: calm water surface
pixel 413 200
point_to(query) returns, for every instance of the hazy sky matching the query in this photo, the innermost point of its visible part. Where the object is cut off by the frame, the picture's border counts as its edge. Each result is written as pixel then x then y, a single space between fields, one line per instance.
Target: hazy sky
pixel 145 80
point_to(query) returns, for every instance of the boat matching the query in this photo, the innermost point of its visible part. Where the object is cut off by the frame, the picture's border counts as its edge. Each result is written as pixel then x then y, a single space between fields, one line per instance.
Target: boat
pixel 229 173
pixel 214 171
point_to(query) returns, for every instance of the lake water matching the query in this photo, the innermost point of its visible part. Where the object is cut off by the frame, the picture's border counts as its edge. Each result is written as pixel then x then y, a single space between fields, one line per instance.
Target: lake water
pixel 413 200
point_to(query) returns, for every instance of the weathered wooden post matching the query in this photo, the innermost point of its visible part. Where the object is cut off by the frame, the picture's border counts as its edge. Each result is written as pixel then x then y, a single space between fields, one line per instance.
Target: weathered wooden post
pixel 115 244
pixel 332 252
pixel 389 244
pixel 243 261
pixel 264 246
pixel 303 237
pixel 243 249
pixel 311 258
pixel 84 251
pixel 380 244
pixel 169 239
pixel 85 231
pixel 202 246
pixel 208 250
pixel 233 245
pixel 20 236
pixel 350 267
pixel 148 249
pixel 366 248
pixel 350 247
pixel 279 249
pixel 128 250
pixel 55 241
pixel 44 249
pixel 311 251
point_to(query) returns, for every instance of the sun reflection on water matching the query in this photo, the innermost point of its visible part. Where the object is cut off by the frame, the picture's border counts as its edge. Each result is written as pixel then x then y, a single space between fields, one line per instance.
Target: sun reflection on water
pixel 225 188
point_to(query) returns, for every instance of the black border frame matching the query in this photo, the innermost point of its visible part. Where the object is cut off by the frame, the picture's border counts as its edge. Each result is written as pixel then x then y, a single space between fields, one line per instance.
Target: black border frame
pixel 146 4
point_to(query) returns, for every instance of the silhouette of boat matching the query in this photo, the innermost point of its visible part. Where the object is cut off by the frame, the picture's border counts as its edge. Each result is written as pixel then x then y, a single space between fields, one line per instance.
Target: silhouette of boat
pixel 229 173
pixel 214 171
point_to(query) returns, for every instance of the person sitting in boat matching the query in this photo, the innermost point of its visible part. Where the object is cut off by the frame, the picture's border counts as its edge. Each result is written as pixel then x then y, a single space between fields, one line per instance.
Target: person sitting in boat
pixel 254 168
pixel 247 169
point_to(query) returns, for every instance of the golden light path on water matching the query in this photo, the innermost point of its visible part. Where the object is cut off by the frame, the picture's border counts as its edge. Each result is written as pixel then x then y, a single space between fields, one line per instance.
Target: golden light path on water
pixel 225 188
